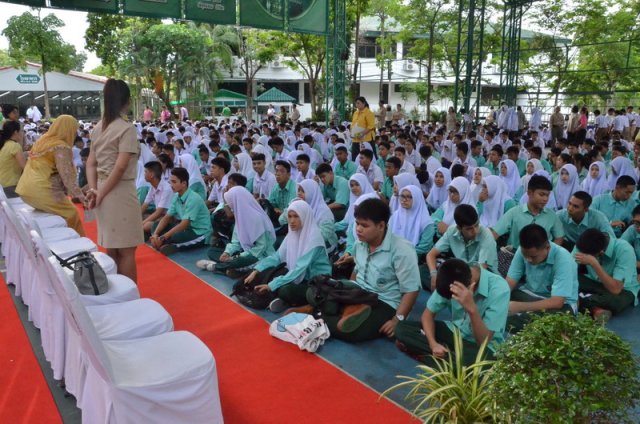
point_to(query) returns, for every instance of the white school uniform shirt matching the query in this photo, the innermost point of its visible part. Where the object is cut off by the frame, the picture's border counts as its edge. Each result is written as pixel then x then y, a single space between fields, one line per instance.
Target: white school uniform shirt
pixel 262 185
pixel 309 176
pixel 618 123
pixel 413 158
pixel 407 167
pixel 77 160
pixel 217 190
pixel 373 174
pixel 602 121
pixel 160 196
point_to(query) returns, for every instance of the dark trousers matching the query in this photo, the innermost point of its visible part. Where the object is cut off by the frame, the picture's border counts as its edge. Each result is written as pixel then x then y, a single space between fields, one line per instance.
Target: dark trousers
pixel 294 294
pixel 409 335
pixel 370 329
pixel 517 322
pixel 237 262
pixel 601 297
pixel 338 214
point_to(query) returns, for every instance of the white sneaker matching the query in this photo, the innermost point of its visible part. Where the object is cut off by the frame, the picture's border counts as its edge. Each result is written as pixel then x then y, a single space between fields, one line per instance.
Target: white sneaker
pixel 278 305
pixel 206 264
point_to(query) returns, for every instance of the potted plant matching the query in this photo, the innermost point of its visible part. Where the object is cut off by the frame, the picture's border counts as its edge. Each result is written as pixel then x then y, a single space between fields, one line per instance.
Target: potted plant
pixel 451 392
pixel 565 369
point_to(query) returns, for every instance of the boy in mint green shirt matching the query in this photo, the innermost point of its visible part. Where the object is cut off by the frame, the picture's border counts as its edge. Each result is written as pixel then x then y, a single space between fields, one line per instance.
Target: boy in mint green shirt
pixel 187 223
pixel 550 274
pixel 391 169
pixel 632 234
pixel 344 167
pixel 335 191
pixel 478 303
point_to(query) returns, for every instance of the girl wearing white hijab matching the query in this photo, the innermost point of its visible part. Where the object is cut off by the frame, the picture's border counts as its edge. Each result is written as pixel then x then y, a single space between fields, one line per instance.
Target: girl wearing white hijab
pixel 401 181
pixel 551 203
pixel 533 165
pixel 243 164
pixel 196 182
pixel 493 201
pixel 310 192
pixel 253 235
pixel 458 191
pixel 511 177
pixel 476 184
pixel 621 166
pixel 596 181
pixel 567 185
pixel 412 220
pixel 438 194
pixel 304 254
pixel 359 185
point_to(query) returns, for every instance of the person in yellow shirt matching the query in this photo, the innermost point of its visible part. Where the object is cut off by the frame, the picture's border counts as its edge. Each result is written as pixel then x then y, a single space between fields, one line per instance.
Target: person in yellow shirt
pixel 12 160
pixel 363 126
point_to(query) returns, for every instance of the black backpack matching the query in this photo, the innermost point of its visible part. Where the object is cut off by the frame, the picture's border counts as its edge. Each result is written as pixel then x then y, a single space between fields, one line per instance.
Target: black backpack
pixel 246 294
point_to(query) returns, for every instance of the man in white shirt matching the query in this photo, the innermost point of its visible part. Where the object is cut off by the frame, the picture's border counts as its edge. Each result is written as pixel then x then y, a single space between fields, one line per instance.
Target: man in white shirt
pixel 303 163
pixel 407 167
pixel 263 181
pixel 160 195
pixel 370 169
pixel 220 168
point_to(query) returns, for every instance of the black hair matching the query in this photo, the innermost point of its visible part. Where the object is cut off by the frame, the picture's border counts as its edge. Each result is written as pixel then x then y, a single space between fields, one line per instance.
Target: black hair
pixel 323 168
pixel 283 163
pixel 7 109
pixel 537 150
pixel 203 149
pixel 584 197
pixel 395 162
pixel 367 153
pixel 221 163
pixel 422 176
pixel 342 149
pixel 476 143
pixel 538 182
pixel 238 179
pixel 450 271
pixel 308 138
pixel 566 158
pixel 258 156
pixel 116 94
pixel 276 141
pixel 425 151
pixel 8 128
pixel 401 149
pixel 636 211
pixel 303 157
pixel 154 167
pixel 513 149
pixel 385 144
pixel 498 149
pixel 373 210
pixel 457 170
pixel 181 174
pixel 168 147
pixel 533 236
pixel 363 100
pixel 223 154
pixel 625 181
pixel 179 141
pixel 164 158
pixel 465 215
pixel 592 241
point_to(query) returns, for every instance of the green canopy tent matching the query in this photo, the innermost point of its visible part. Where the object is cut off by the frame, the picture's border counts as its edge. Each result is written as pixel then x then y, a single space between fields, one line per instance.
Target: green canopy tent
pixel 275 97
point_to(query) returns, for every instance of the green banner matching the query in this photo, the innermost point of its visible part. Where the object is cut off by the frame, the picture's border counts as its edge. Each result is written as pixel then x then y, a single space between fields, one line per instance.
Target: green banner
pixel 268 14
pixel 308 16
pixel 32 3
pixel 211 11
pixel 105 6
pixel 154 8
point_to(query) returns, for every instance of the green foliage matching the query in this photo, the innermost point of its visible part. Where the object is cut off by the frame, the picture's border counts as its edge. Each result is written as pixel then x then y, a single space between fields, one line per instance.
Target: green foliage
pixel 563 369
pixel 451 392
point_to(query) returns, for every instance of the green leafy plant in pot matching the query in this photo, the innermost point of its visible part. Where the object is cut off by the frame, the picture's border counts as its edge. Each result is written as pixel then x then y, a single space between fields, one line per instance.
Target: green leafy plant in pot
pixel 565 369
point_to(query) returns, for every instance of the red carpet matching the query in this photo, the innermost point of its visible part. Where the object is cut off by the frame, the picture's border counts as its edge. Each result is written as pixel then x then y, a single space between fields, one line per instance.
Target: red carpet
pixel 24 394
pixel 262 380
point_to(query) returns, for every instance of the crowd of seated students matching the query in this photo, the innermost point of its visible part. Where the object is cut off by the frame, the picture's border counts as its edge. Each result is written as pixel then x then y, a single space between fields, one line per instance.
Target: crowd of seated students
pixel 496 225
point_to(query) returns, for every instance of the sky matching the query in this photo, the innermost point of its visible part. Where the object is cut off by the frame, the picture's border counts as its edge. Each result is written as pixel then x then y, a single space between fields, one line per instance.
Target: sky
pixel 73 31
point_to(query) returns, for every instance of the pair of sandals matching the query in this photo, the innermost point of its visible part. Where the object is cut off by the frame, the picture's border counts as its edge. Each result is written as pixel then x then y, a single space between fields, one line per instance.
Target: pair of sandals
pixel 206 265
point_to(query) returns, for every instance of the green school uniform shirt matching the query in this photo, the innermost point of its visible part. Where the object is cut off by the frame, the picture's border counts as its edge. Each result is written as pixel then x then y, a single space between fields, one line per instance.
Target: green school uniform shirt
pixel 632 237
pixel 619 261
pixel 390 271
pixel 556 276
pixel 592 219
pixel 345 170
pixel 516 218
pixel 387 187
pixel 613 209
pixel 281 197
pixel 314 262
pixel 482 249
pixel 338 192
pixel 492 299
pixel 191 206
pixel 495 170
pixel 480 160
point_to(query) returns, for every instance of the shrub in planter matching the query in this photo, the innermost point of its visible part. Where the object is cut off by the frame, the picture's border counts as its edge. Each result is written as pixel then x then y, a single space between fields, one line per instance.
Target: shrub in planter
pixel 451 392
pixel 565 369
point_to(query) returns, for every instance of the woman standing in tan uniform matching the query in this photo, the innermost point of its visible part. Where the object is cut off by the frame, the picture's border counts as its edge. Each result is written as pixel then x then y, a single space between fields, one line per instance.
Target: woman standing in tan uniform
pixel 111 173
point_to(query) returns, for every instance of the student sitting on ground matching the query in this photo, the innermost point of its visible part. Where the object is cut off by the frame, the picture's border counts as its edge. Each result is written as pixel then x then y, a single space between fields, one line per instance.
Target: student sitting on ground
pixel 618 204
pixel 309 191
pixel 386 265
pixel 611 283
pixel 478 302
pixel 263 181
pixel 186 223
pixel 335 191
pixel 632 234
pixel 343 167
pixel 412 220
pixel 550 275
pixel 534 211
pixel 577 216
pixel 391 170
pixel 303 164
pixel 305 257
pixel 284 191
pixel 467 240
pixel 253 236
pixel 160 196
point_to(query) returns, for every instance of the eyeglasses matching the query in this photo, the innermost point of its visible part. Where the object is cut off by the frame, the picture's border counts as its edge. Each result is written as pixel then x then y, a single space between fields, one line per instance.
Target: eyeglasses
pixel 406 197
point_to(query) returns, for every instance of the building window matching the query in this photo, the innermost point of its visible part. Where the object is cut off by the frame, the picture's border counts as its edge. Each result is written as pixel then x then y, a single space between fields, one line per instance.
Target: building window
pixel 368 48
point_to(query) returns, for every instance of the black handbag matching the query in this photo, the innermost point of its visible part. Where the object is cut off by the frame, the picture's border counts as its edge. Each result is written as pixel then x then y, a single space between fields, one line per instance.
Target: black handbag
pixel 246 294
pixel 324 289
pixel 88 275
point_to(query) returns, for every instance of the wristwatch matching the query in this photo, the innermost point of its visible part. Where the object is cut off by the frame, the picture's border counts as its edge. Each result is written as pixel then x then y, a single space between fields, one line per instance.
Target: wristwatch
pixel 400 317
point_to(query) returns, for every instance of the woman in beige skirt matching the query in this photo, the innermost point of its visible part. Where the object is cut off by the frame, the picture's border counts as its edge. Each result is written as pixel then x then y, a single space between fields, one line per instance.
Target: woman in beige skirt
pixel 111 173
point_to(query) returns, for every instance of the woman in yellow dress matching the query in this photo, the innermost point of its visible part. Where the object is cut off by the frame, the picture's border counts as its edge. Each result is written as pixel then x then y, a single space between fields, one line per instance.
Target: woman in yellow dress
pixel 363 126
pixel 50 176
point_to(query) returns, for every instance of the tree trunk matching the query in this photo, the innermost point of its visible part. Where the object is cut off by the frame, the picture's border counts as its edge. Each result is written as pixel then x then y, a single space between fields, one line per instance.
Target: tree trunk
pixel 249 93
pixel 429 67
pixel 312 93
pixel 356 58
pixel 382 62
pixel 47 111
